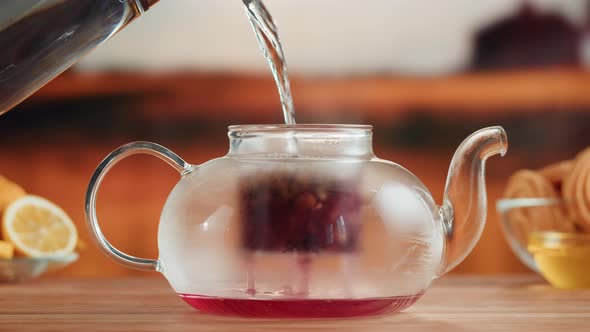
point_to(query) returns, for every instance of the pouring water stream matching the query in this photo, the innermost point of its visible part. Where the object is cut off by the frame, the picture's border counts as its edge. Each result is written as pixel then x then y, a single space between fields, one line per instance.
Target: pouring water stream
pixel 268 39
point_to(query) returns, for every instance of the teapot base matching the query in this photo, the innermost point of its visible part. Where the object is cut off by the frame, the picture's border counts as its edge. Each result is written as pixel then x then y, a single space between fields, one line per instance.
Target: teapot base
pixel 299 308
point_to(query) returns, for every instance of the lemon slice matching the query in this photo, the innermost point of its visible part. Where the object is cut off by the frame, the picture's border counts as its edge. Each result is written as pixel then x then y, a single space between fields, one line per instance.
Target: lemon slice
pixel 38 228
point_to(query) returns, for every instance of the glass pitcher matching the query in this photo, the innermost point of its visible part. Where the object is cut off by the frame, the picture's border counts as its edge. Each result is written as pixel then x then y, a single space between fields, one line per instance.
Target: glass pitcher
pixel 305 221
pixel 39 39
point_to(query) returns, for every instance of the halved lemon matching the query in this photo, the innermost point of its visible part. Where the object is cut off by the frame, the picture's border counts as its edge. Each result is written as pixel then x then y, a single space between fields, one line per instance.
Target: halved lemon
pixel 38 228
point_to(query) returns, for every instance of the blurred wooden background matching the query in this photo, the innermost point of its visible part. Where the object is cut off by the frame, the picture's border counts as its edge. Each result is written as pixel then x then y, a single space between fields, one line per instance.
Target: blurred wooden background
pixel 51 143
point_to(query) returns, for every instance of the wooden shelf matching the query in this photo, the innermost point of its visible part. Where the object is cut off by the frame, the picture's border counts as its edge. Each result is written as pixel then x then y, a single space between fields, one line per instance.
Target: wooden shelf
pixel 380 97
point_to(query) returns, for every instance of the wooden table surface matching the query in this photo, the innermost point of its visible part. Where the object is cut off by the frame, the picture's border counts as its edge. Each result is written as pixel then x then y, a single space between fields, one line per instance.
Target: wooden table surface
pixel 457 303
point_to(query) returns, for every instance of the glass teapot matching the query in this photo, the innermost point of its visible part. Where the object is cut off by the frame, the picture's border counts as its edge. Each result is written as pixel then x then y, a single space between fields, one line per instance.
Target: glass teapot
pixel 305 221
pixel 39 39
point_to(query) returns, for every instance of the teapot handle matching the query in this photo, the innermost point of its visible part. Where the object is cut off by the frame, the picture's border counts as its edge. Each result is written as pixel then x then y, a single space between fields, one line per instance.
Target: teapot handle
pixel 90 204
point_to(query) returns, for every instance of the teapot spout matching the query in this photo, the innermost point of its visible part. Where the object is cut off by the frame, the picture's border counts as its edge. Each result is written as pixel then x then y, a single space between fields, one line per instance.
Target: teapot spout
pixel 464 207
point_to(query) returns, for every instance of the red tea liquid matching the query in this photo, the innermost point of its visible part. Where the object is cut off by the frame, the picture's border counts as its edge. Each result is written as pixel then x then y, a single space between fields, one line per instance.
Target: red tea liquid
pixel 299 308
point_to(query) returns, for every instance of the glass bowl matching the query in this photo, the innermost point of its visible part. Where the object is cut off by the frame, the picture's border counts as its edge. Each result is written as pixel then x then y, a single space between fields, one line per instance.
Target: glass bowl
pixel 21 269
pixel 518 236
pixel 563 259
